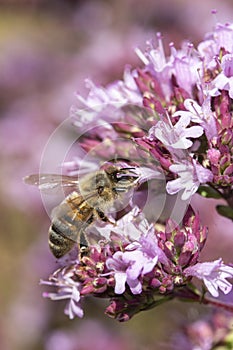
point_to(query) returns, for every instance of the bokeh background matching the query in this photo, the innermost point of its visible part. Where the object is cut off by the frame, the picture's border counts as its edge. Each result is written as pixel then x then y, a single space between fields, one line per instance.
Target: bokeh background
pixel 47 49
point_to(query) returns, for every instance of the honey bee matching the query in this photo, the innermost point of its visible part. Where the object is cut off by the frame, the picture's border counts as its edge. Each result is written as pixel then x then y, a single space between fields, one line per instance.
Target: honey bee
pixel 93 195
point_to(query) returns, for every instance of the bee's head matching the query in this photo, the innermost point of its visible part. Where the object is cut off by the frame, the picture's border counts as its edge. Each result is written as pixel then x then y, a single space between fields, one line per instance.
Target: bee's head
pixel 122 179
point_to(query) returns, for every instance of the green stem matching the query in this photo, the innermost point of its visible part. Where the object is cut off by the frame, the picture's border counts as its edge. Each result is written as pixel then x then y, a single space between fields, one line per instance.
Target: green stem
pixel 217 303
pixel 158 302
pixel 230 202
pixel 191 293
pixel 217 190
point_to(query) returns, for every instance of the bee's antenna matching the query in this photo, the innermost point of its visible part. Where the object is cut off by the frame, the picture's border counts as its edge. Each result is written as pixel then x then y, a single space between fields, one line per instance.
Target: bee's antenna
pixel 127 168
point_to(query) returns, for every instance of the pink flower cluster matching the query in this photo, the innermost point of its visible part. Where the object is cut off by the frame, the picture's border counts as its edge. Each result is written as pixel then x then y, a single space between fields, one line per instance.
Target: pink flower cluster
pixel 171 119
pixel 185 102
pixel 136 274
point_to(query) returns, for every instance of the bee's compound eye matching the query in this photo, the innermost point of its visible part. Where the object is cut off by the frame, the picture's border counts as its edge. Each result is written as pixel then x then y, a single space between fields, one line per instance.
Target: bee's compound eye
pixel 124 178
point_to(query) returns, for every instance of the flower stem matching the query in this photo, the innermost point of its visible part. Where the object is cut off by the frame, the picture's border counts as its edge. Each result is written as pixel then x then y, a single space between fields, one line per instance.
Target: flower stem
pixel 192 294
pixel 188 293
pixel 217 303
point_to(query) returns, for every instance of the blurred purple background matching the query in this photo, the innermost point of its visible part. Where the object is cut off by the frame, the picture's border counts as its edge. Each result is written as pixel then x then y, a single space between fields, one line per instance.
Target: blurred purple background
pixel 47 49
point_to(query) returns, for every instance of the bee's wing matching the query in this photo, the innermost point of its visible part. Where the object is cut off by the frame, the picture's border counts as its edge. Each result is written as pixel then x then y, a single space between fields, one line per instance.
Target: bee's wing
pixel 49 182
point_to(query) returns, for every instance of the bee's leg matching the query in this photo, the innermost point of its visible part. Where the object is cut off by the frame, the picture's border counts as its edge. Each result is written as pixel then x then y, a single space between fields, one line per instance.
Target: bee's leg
pixel 83 241
pixel 103 217
pixel 83 251
pixel 83 245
